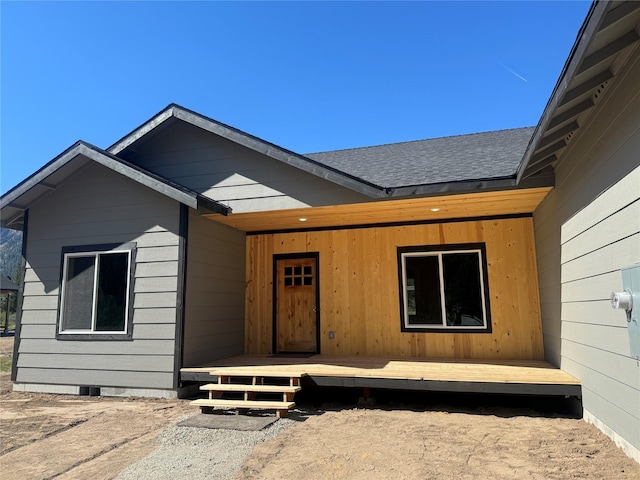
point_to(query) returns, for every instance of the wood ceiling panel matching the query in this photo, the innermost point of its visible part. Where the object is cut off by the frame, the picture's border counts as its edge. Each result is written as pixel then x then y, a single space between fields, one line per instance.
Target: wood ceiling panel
pixel 505 202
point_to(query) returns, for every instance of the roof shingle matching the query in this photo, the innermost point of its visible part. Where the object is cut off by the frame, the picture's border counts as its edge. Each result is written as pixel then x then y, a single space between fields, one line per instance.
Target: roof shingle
pixel 477 156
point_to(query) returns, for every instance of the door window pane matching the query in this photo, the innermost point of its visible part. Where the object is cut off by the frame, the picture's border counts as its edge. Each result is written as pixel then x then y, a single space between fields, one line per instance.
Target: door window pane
pixel 298 275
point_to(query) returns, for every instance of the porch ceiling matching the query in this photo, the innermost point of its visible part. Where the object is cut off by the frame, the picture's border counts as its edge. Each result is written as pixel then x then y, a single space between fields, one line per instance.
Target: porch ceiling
pixel 470 205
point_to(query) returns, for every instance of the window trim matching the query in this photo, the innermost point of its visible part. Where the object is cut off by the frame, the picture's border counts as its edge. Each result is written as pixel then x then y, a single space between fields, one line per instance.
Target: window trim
pixel 439 250
pixel 97 250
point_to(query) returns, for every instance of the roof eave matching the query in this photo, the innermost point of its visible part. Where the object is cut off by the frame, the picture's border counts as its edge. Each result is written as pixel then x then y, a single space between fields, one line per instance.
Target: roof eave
pixel 136 174
pixel 139 132
pixel 82 149
pixel 544 151
pixel 174 190
pixel 469 186
pixel 587 30
pixel 211 205
pixel 249 141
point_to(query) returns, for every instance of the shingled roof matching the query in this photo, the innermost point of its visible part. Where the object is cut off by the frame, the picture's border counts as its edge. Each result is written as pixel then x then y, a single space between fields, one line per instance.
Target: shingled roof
pixel 460 158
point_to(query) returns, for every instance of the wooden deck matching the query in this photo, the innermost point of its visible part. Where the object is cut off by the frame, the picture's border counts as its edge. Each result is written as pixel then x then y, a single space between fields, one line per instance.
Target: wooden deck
pixel 528 377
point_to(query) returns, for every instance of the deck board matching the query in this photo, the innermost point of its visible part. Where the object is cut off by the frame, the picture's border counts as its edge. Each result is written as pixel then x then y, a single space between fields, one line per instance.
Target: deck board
pixel 532 372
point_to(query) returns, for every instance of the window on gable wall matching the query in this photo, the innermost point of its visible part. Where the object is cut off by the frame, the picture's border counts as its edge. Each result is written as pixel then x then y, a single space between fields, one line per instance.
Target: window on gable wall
pixel 444 288
pixel 96 290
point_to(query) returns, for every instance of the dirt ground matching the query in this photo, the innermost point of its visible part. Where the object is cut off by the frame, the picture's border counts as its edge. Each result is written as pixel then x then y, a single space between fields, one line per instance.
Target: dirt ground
pixel 65 437
pixel 69 437
pixel 373 443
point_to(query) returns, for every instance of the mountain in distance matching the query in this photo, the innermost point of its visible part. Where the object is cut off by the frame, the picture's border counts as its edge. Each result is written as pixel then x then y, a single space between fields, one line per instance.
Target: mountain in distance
pixel 10 252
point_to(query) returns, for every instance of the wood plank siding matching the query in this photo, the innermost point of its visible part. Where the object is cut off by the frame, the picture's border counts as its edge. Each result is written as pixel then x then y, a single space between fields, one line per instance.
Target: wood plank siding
pixel 359 291
pixel 234 175
pixel 99 206
pixel 586 230
pixel 214 310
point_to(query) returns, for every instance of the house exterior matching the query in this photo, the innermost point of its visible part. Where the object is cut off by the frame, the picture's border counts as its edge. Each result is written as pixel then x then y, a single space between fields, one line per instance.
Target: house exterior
pixel 189 241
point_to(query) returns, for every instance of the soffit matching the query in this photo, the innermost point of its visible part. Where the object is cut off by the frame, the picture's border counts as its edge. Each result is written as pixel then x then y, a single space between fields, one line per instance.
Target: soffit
pixel 471 205
pixel 608 37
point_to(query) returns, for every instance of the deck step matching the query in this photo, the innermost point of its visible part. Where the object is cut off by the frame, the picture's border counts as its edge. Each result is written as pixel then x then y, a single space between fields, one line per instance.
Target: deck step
pixel 218 402
pixel 254 388
pixel 281 408
pixel 233 387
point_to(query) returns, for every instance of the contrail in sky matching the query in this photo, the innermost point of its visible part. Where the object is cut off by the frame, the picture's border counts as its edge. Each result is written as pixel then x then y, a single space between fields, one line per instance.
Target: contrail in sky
pixel 514 73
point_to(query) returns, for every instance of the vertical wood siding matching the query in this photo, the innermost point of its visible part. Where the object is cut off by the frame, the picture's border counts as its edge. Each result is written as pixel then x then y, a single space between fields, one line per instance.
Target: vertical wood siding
pixel 586 230
pixel 359 291
pixel 99 206
pixel 214 312
pixel 245 180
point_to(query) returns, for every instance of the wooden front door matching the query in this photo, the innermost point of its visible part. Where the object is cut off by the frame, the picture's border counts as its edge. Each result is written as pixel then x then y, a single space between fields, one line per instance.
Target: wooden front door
pixel 296 306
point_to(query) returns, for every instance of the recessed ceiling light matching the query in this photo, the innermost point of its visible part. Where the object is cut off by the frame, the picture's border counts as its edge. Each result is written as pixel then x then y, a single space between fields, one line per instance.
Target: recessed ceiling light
pixel 435 209
pixel 302 219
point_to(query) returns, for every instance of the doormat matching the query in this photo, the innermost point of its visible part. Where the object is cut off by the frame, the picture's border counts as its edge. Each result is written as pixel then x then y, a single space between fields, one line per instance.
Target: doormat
pixel 292 355
pixel 228 422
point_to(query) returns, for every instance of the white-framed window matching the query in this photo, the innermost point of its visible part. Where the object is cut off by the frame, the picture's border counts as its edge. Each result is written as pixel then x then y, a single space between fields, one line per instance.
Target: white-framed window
pixel 96 290
pixel 444 288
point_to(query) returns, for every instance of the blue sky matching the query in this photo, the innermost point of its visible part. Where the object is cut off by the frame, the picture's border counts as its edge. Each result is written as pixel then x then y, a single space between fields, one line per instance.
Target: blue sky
pixel 308 76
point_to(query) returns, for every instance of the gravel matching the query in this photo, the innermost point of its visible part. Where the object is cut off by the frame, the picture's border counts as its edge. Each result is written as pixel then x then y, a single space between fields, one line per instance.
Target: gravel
pixel 200 453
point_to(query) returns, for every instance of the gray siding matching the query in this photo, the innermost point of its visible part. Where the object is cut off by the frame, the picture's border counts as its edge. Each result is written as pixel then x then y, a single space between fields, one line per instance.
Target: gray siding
pixel 214 313
pixel 99 206
pixel 587 229
pixel 233 174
